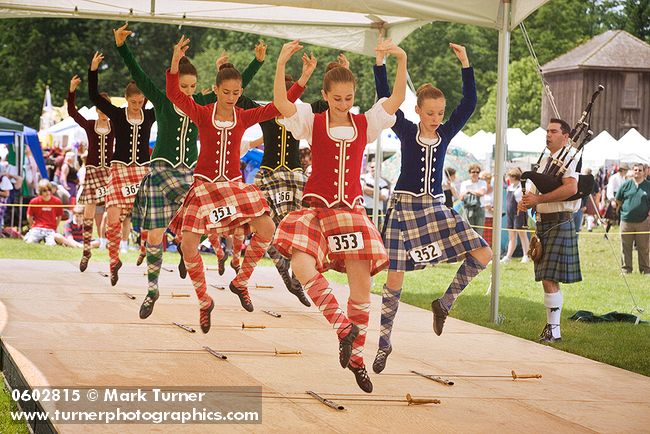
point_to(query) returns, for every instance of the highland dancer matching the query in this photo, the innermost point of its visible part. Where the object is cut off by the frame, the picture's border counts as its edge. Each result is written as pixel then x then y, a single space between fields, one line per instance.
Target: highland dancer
pixel 419 229
pixel 333 231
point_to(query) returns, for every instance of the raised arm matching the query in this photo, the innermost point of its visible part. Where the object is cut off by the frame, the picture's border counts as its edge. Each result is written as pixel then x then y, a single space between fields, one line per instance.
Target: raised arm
pixel 467 105
pixel 155 95
pixel 391 105
pixel 308 66
pixel 184 102
pixel 72 108
pixel 255 65
pixel 93 93
pixel 280 100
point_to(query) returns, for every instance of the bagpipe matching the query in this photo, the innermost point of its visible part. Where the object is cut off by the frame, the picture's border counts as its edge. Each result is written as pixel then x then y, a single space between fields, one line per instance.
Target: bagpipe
pixel 551 177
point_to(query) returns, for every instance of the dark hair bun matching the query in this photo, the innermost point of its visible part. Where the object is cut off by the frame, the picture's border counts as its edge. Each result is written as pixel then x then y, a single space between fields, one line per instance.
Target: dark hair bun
pixel 226 65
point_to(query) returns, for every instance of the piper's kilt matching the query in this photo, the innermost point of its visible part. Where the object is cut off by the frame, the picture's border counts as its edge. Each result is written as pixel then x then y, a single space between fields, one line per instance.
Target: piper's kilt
pixel 308 230
pixel 413 223
pixel 560 261
pixel 96 181
pixel 278 183
pixel 124 176
pixel 219 207
pixel 161 194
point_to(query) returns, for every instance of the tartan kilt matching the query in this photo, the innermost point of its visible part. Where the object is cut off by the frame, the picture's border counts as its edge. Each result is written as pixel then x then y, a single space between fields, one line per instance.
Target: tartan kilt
pixel 205 197
pixel 122 176
pixel 487 232
pixel 308 230
pixel 161 194
pixel 415 222
pixel 97 178
pixel 281 180
pixel 560 261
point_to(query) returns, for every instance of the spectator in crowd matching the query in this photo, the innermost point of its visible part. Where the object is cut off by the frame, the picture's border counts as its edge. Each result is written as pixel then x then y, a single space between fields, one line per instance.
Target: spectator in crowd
pixel 68 177
pixel 471 192
pixel 633 199
pixel 488 206
pixel 368 184
pixel 449 188
pixel 73 231
pixel 5 187
pixel 613 184
pixel 591 208
pixel 44 215
pixel 515 220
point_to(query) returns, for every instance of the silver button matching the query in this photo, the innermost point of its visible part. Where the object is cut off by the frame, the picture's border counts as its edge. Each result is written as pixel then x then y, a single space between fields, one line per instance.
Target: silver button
pixel 178 138
pixel 421 179
pixel 433 169
pixel 422 170
pixel 422 159
pixel 178 129
pixel 177 148
pixel 336 196
pixel 421 190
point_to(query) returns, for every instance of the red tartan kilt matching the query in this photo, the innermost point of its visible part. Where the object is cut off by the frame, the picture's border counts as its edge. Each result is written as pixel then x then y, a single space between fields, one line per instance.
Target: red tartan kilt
pixel 204 197
pixel 487 232
pixel 121 176
pixel 308 230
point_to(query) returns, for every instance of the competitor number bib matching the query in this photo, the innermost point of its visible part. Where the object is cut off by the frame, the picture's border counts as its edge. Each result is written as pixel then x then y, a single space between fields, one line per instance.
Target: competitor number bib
pixel 345 242
pixel 284 196
pixel 130 190
pixel 220 213
pixel 425 253
pixel 100 192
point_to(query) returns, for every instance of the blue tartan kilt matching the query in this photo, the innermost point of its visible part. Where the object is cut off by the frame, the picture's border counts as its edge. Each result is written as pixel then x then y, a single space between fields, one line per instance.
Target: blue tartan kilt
pixel 560 261
pixel 161 194
pixel 421 231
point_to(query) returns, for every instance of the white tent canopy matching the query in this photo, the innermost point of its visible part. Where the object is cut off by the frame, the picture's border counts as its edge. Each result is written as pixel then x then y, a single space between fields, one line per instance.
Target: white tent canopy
pixel 344 25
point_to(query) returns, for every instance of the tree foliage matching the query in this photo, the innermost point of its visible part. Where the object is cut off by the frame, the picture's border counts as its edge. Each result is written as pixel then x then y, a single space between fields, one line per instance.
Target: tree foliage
pixel 35 53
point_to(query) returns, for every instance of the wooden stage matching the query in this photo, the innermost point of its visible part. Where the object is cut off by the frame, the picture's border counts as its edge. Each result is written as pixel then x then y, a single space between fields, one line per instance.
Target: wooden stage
pixel 61 327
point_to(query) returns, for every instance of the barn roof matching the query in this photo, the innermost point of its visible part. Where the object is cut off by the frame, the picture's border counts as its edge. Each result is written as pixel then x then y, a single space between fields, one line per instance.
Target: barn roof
pixel 614 49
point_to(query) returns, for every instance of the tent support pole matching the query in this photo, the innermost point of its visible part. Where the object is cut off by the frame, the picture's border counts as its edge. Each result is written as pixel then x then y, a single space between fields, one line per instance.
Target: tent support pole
pixel 499 154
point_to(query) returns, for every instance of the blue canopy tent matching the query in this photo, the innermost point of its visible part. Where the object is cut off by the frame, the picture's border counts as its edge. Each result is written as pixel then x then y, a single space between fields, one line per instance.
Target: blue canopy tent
pixel 31 138
pixel 15 135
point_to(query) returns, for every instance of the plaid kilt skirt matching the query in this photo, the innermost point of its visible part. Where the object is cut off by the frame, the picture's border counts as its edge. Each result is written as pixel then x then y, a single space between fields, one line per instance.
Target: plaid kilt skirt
pixel 95 185
pixel 124 185
pixel 282 189
pixel 219 207
pixel 316 230
pixel 421 231
pixel 560 261
pixel 161 194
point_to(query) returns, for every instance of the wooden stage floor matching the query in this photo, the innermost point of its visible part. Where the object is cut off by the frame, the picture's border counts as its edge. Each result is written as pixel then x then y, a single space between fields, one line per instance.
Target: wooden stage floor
pixel 65 328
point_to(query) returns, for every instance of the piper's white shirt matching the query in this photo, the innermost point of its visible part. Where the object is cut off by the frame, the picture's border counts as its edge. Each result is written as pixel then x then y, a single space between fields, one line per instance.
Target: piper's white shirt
pixel 564 206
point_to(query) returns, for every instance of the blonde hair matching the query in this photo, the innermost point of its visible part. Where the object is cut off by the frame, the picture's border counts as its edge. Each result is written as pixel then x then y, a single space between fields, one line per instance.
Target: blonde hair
pixel 514 173
pixel 428 91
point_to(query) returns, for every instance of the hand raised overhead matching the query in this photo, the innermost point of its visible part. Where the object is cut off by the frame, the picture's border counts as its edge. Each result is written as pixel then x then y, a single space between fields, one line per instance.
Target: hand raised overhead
pixel 260 51
pixel 74 83
pixel 121 34
pixel 97 59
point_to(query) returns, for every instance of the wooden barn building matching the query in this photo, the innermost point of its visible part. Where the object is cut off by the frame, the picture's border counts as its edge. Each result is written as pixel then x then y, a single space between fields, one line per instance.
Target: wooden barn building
pixel 618 61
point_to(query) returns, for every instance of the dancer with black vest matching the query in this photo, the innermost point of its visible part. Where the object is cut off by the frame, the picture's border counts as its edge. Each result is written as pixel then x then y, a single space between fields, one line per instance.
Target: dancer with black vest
pixel 101 136
pixel 130 160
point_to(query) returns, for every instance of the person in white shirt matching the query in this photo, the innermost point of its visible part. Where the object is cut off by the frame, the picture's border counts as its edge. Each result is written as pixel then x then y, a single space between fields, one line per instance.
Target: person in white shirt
pixel 559 261
pixel 368 186
pixel 471 192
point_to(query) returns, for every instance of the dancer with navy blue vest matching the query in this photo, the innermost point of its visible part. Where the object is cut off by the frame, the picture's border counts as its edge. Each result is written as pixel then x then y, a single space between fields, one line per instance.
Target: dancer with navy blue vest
pixel 419 229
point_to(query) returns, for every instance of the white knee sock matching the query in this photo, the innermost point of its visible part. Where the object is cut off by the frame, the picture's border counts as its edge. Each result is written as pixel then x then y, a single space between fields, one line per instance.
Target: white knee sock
pixel 553 303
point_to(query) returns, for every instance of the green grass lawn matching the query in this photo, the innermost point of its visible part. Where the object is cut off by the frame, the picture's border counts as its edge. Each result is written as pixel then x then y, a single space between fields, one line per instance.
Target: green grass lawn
pixel 7 425
pixel 602 290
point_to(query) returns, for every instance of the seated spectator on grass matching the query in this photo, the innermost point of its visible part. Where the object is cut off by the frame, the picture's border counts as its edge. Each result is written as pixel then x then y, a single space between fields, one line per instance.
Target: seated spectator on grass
pixel 44 215
pixel 73 231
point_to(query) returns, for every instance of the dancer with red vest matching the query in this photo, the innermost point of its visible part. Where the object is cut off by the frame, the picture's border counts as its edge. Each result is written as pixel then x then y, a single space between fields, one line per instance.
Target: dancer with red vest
pixel 218 201
pixel 333 231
